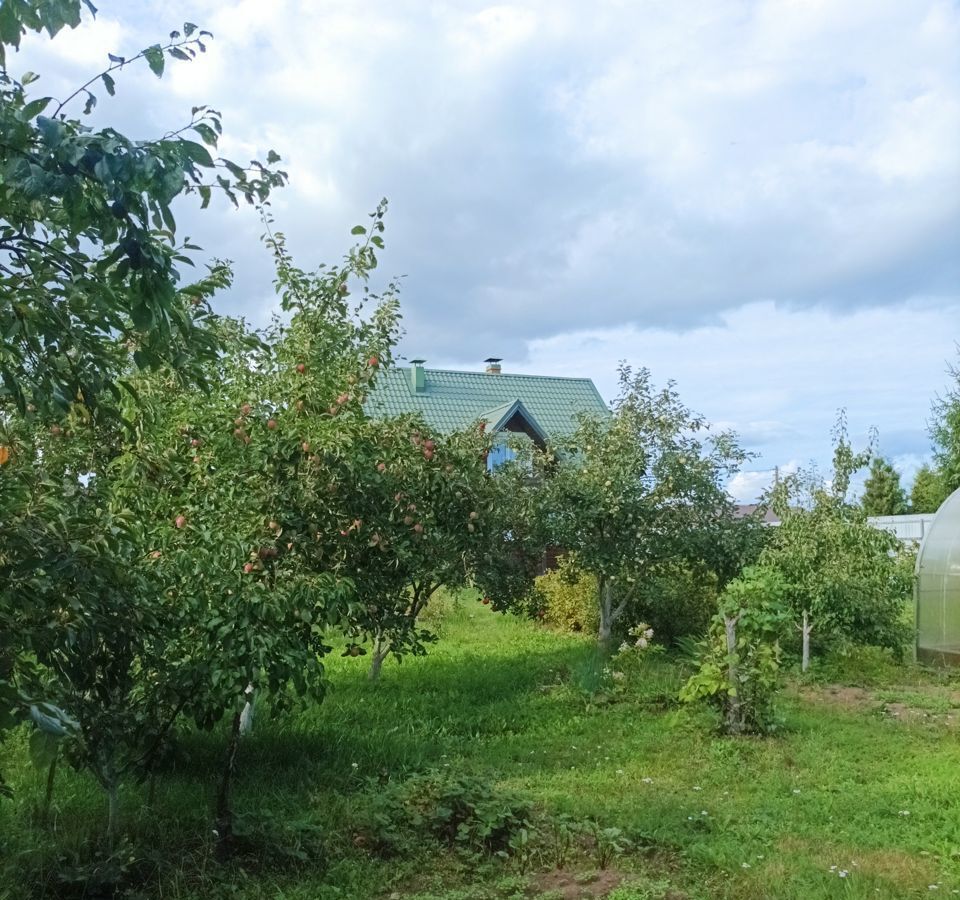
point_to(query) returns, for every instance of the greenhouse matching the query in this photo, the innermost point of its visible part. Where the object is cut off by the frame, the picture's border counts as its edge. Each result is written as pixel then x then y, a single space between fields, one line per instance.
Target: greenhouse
pixel 937 587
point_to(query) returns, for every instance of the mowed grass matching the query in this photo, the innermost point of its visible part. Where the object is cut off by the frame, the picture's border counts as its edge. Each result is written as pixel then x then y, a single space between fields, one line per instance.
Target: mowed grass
pixel 846 801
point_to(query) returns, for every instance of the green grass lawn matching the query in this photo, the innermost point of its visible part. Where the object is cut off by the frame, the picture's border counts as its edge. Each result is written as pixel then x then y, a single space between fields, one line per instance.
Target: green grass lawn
pixel 858 796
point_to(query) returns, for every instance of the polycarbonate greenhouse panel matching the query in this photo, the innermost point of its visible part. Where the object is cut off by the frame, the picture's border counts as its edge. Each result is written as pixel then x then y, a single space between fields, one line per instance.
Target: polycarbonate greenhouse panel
pixel 937 588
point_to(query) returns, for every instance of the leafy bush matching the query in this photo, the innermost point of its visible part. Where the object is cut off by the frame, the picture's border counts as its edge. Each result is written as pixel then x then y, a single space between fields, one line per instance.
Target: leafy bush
pixel 568 597
pixel 677 604
pixel 740 661
pixel 462 811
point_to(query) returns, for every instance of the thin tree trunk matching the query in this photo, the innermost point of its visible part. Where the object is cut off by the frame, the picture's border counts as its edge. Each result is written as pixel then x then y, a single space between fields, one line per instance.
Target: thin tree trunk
pixel 113 811
pixel 381 649
pixel 224 814
pixel 805 630
pixel 246 716
pixel 48 796
pixel 734 710
pixel 606 612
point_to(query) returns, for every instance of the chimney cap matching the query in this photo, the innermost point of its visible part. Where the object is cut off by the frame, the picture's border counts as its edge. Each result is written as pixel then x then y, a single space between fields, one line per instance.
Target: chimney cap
pixel 417 362
pixel 493 359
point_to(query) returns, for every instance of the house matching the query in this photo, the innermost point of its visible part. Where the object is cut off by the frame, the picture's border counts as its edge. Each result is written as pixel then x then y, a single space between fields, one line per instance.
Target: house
pixel 543 407
pixel 745 510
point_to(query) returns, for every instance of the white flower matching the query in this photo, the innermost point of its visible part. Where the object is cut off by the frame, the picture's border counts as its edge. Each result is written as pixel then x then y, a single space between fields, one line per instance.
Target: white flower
pixel 647 780
pixel 618 676
pixel 744 865
pixel 642 643
pixel 697 787
pixel 648 633
pixel 796 790
pixel 624 647
pixel 843 873
pixel 904 812
pixel 354 765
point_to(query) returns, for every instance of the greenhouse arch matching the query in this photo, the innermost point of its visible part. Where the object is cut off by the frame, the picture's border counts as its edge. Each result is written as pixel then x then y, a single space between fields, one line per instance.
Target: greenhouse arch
pixel 937 587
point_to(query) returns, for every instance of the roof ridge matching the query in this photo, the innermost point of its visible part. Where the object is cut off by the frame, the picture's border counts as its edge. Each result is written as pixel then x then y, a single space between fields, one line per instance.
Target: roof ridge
pixel 500 374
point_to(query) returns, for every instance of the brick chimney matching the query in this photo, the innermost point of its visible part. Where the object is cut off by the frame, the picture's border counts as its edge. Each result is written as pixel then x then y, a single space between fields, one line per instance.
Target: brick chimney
pixel 493 365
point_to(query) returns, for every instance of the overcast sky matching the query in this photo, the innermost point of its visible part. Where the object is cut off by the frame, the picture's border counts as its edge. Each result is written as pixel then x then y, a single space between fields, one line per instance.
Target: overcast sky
pixel 759 200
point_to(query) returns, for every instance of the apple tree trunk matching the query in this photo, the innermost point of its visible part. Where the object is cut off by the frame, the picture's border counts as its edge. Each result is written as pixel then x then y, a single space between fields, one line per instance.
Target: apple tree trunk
pixel 734 719
pixel 805 630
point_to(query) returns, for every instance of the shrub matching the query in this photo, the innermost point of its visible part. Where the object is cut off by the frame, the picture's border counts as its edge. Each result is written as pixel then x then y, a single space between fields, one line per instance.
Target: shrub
pixel 740 661
pixel 568 597
pixel 458 810
pixel 677 604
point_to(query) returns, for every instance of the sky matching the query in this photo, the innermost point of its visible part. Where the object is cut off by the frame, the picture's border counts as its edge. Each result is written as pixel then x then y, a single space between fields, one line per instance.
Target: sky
pixel 756 199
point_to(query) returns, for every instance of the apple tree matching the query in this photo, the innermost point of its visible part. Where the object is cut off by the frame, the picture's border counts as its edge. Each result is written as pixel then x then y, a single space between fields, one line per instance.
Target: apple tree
pixel 90 261
pixel 90 292
pixel 844 578
pixel 229 479
pixel 638 492
pixel 412 505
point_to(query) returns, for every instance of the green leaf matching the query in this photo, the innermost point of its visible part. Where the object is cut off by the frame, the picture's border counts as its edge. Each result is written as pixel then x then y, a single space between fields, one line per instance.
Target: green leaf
pixel 142 316
pixel 207 134
pixel 197 153
pixel 234 170
pixel 154 58
pixel 189 28
pixel 109 83
pixel 273 157
pixel 358 229
pixel 120 60
pixel 35 107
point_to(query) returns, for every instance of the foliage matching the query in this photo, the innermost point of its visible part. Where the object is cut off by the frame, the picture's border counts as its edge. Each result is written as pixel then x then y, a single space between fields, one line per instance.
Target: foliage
pixel 90 290
pixel 945 431
pixel 461 811
pixel 843 578
pixel 169 612
pixel 882 494
pixel 678 602
pixel 506 563
pixel 637 493
pixel 568 597
pixel 89 259
pixel 414 507
pixel 492 699
pixel 929 490
pixel 740 662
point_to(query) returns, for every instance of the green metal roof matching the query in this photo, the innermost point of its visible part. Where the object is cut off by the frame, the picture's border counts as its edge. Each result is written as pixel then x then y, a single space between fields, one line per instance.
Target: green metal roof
pixel 453 400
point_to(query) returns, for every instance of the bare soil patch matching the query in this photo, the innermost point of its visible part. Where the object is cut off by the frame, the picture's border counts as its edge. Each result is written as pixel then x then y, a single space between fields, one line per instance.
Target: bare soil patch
pixel 574 886
pixel 907 704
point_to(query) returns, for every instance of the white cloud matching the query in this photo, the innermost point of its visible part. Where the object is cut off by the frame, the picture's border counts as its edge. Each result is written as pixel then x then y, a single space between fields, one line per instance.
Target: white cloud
pixel 691 185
